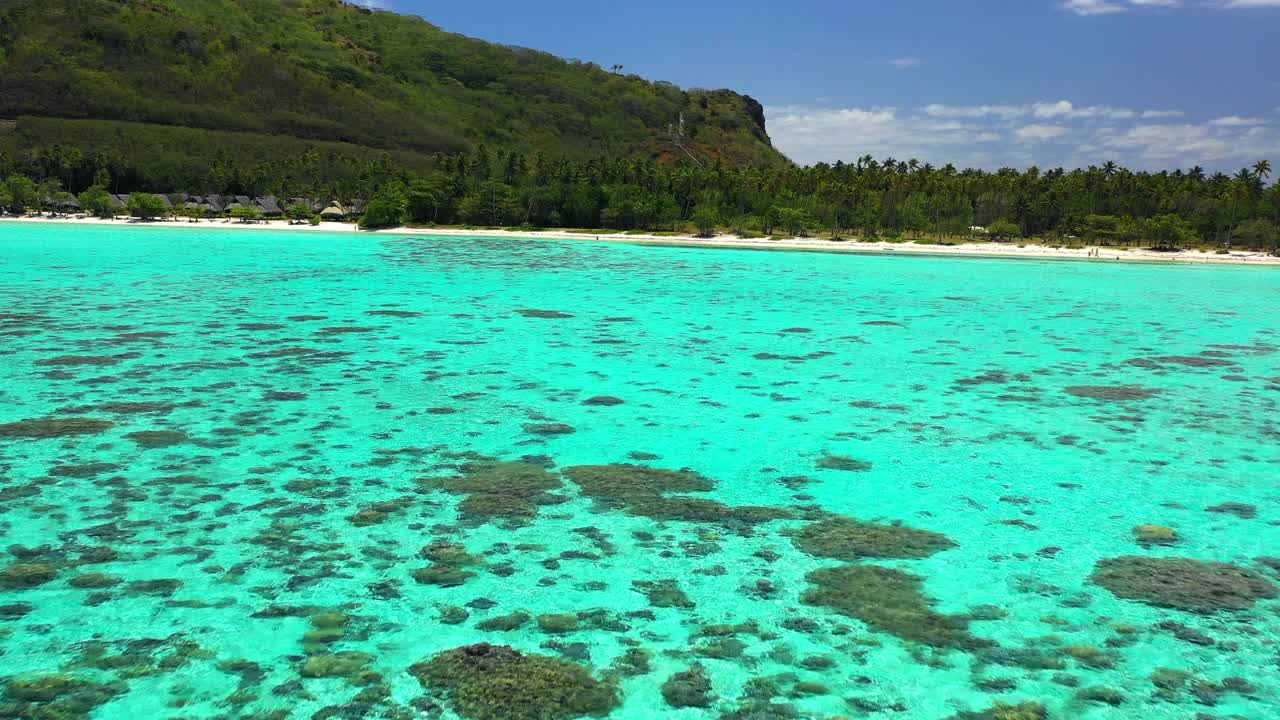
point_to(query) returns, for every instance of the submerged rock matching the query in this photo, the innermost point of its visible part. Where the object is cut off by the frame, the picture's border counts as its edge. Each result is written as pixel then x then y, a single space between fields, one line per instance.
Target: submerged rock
pixel 27 575
pixel 157 438
pixel 1243 511
pixel 840 462
pixel 544 314
pixel 690 688
pixel 14 611
pixel 663 593
pixel 623 483
pixel 1115 393
pixel 136 407
pixel 94 581
pixel 557 623
pixel 889 601
pixel 505 490
pixel 442 575
pixel 603 401
pixel 486 505
pixel 549 429
pixel 81 472
pixel 1148 535
pixel 78 360
pixel 41 428
pixel 644 491
pixel 494 682
pixel 341 664
pixel 844 538
pixel 504 623
pixel 1000 711
pixel 1182 583
pixel 55 697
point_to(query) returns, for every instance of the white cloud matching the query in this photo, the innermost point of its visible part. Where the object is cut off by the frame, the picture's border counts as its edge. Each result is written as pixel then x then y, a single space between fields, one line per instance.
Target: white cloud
pixel 1064 108
pixel 1094 7
pixel 1047 134
pixel 1037 133
pixel 906 63
pixel 809 135
pixel 1045 110
pixel 1237 121
pixel 1108 7
pixel 1206 144
pixel 975 111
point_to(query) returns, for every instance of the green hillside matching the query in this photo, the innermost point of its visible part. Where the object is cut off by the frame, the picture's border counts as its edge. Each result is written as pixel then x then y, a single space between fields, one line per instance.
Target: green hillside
pixel 322 70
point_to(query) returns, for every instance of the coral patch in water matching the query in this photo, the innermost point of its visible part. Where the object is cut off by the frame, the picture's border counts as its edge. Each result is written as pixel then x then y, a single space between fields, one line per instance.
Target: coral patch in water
pixel 497 682
pixel 1182 583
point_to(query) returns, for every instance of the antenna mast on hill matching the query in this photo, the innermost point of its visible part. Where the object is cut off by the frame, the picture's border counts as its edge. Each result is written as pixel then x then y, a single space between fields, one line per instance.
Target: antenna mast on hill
pixel 677 139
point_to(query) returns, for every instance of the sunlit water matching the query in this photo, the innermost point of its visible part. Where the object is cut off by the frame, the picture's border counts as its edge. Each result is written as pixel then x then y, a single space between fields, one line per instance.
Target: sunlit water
pixel 305 378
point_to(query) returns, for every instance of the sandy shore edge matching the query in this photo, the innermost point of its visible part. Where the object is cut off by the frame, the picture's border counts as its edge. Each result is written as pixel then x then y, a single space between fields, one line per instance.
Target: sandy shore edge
pixel 723 241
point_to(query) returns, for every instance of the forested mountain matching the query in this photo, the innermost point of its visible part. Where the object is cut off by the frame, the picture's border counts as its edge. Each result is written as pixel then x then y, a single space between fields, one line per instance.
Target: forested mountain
pixel 263 73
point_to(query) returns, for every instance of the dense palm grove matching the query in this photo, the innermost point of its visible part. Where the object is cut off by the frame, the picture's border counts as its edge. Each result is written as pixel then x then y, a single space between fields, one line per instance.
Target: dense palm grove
pixel 866 199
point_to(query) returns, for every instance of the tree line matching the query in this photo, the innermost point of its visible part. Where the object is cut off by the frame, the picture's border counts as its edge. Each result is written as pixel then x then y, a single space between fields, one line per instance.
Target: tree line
pixel 866 199
pixel 869 198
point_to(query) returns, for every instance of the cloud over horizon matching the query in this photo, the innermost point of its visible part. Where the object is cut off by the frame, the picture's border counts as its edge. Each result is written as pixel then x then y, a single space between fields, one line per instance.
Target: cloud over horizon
pixel 1108 7
pixel 1043 133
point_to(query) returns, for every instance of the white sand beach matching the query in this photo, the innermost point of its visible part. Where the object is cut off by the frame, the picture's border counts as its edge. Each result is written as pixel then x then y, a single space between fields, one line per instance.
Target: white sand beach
pixel 1005 250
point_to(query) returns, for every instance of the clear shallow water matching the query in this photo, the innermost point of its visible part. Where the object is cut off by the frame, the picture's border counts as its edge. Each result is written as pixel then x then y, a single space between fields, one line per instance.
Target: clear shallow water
pixel 309 378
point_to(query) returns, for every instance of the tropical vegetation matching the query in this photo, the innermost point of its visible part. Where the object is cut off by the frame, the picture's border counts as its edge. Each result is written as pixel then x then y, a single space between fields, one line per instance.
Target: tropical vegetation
pixel 324 99
pixel 867 199
pixel 236 75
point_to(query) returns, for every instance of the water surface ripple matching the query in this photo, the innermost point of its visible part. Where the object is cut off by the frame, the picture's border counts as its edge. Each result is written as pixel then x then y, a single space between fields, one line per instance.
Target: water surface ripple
pixel 287 475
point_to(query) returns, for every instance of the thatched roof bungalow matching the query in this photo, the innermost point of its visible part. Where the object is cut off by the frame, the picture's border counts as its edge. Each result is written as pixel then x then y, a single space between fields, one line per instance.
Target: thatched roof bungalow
pixel 311 204
pixel 269 206
pixel 66 203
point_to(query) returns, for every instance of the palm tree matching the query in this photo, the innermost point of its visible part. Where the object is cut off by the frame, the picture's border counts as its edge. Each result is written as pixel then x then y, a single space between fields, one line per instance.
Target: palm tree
pixel 1262 169
pixel 1238 187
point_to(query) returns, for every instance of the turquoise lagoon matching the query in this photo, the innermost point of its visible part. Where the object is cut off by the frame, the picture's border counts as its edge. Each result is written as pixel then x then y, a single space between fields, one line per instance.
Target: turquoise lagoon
pixel 267 474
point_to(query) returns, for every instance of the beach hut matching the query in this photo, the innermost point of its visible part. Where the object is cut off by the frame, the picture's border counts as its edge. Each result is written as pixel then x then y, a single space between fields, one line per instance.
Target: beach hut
pixel 333 212
pixel 311 204
pixel 269 206
pixel 195 202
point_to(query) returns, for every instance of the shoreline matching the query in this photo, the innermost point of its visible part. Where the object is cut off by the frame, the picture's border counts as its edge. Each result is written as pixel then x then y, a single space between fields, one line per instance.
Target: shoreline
pixel 1040 252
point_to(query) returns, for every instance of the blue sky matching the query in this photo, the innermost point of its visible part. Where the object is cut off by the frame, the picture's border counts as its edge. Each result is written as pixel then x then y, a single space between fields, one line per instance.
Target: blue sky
pixel 1148 83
